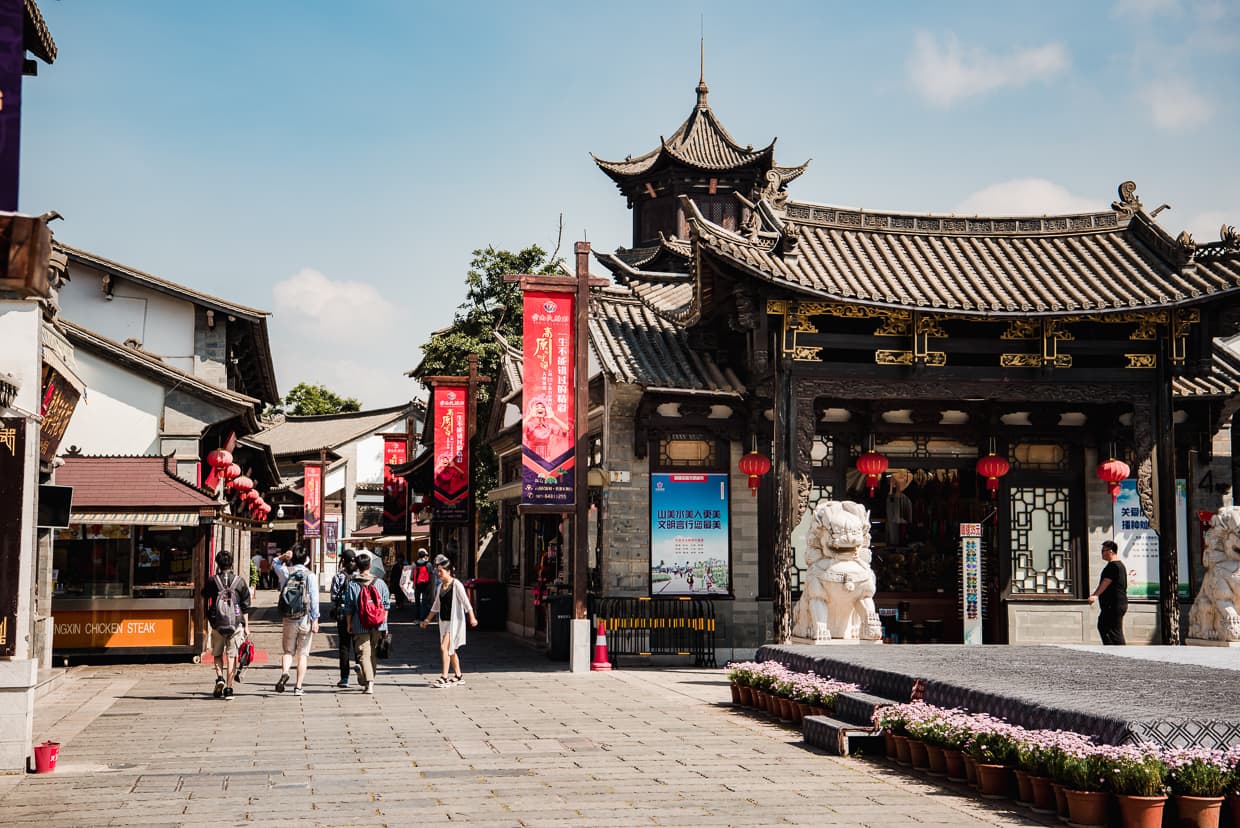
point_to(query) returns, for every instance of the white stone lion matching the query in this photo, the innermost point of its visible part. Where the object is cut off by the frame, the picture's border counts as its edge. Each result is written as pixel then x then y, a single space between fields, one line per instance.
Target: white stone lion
pixel 837 599
pixel 1214 616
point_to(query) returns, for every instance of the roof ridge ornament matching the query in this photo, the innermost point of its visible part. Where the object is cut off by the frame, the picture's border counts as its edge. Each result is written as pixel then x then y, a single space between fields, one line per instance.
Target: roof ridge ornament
pixel 1229 236
pixel 702 89
pixel 1129 204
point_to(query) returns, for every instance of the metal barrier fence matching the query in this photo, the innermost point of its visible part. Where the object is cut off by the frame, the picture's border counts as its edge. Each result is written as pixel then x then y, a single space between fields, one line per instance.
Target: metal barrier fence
pixel 659 626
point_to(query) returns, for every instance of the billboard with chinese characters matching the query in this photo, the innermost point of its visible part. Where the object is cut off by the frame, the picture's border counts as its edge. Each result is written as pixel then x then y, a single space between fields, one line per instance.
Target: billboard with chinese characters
pixel 395 508
pixel 56 408
pixel 12 496
pixel 451 469
pixel 547 427
pixel 690 547
pixel 1138 543
pixel 312 521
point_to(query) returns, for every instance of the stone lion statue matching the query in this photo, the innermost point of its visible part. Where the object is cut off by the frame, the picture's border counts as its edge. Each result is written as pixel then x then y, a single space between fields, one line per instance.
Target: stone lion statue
pixel 837 599
pixel 1214 616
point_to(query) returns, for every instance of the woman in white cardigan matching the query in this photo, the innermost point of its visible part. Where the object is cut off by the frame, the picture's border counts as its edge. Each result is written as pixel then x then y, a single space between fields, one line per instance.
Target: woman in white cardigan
pixel 452 608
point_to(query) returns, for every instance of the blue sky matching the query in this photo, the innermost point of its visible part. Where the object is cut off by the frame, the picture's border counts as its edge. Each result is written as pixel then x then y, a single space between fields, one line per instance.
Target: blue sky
pixel 336 163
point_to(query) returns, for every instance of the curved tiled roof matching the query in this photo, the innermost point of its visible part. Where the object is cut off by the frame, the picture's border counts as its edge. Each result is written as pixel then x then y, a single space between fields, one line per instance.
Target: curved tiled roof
pixel 142 482
pixel 1222 381
pixel 301 435
pixel 635 345
pixel 1106 261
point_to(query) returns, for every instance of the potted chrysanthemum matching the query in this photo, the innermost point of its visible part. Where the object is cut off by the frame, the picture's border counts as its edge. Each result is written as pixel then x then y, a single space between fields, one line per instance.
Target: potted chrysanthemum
pixel 1198 778
pixel 1138 778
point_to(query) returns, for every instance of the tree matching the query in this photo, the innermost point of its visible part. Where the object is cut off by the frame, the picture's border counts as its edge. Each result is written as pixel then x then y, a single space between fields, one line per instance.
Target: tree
pixel 306 400
pixel 491 306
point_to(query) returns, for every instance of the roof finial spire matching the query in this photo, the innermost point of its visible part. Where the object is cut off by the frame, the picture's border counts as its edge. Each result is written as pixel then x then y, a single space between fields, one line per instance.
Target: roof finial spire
pixel 702 88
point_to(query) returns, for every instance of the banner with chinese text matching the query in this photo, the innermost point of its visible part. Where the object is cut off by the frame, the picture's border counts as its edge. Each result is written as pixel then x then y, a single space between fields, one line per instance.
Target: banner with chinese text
pixel 548 382
pixel 312 521
pixel 12 527
pixel 56 409
pixel 451 471
pixel 690 550
pixel 1138 543
pixel 395 509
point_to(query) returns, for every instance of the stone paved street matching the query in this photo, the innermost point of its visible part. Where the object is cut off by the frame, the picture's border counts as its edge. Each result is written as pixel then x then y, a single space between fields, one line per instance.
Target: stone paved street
pixel 521 743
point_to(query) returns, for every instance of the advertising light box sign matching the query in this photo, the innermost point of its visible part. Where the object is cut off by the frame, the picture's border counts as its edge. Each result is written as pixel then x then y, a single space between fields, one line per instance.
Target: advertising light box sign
pixel 690 544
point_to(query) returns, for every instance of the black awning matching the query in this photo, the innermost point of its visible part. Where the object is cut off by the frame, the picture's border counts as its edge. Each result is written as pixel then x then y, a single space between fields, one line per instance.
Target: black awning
pixel 417 471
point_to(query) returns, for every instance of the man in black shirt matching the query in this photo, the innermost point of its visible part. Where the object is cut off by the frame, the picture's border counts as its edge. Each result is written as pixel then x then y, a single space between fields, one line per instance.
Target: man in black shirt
pixel 1112 596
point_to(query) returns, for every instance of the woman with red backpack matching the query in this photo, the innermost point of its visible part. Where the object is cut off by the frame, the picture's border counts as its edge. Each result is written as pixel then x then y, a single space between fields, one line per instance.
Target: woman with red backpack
pixel 366 602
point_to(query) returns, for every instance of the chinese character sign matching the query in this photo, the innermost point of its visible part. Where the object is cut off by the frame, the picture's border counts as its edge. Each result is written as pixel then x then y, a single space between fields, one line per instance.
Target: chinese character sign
pixel 971 581
pixel 451 469
pixel 548 386
pixel 1138 543
pixel 394 507
pixel 12 491
pixel 312 522
pixel 690 553
pixel 56 408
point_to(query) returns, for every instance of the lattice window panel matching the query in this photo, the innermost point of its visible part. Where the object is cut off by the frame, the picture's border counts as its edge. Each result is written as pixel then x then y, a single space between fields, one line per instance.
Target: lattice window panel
pixel 822 452
pixel 708 459
pixel 1041 542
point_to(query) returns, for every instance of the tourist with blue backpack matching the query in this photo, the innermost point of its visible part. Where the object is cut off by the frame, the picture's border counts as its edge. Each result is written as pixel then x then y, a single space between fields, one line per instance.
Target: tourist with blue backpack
pixel 299 611
pixel 366 603
pixel 228 607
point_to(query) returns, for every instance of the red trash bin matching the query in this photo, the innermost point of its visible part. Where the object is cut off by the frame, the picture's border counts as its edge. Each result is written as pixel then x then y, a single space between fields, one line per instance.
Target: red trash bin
pixel 45 755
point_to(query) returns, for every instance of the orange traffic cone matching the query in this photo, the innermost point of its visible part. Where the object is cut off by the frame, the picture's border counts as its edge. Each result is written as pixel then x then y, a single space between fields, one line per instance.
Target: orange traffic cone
pixel 601 661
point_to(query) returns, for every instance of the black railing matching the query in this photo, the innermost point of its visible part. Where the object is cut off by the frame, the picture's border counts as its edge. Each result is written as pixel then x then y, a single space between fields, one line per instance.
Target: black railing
pixel 659 626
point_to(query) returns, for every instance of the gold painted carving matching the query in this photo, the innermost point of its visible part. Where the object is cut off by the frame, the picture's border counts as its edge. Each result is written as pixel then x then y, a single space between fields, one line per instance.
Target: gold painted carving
pixel 778 307
pixel 936 359
pixel 806 353
pixel 1020 360
pixel 1142 360
pixel 1021 329
pixel 893 325
pixel 928 326
pixel 885 357
pixel 1182 321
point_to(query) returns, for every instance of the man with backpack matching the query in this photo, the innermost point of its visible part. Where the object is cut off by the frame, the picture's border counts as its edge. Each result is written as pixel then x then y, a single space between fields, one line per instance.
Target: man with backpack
pixel 423 581
pixel 344 639
pixel 365 605
pixel 228 607
pixel 299 610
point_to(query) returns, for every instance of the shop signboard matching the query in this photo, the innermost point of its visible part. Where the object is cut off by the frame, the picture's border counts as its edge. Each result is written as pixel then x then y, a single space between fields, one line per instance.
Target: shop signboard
pixel 331 535
pixel 1138 543
pixel 312 520
pixel 395 507
pixel 690 547
pixel 105 629
pixel 971 581
pixel 451 475
pixel 12 496
pixel 547 423
pixel 57 405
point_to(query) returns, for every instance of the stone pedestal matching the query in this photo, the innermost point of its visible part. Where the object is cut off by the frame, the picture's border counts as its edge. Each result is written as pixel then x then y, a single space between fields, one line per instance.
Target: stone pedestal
pixel 1206 642
pixel 17 683
pixel 579 645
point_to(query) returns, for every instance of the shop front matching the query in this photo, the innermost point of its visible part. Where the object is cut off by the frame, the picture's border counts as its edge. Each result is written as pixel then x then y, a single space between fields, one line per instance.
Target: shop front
pixel 128 569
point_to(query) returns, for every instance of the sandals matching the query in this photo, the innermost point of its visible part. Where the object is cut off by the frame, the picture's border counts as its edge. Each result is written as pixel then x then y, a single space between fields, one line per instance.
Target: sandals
pixel 457 679
pixel 442 681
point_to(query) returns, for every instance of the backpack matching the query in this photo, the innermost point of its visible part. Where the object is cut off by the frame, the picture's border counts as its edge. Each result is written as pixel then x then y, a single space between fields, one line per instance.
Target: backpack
pixel 424 574
pixel 294 602
pixel 225 613
pixel 370 607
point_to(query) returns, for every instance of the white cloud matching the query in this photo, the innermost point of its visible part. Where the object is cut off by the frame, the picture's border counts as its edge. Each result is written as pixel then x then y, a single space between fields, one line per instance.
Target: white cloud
pixel 1174 104
pixel 338 308
pixel 1027 197
pixel 1145 9
pixel 945 73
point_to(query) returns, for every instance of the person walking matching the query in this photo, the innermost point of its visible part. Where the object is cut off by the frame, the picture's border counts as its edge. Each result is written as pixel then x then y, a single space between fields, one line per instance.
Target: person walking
pixel 228 612
pixel 366 602
pixel 452 608
pixel 1111 596
pixel 299 609
pixel 423 583
pixel 344 639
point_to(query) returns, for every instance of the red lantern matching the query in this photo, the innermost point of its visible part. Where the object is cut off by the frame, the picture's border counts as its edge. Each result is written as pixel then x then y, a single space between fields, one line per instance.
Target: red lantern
pixel 242 484
pixel 872 465
pixel 755 465
pixel 1113 472
pixel 230 472
pixel 219 459
pixel 992 467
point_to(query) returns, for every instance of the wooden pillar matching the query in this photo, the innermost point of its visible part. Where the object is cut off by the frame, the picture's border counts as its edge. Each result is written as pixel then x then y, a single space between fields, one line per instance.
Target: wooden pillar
pixel 1164 486
pixel 784 466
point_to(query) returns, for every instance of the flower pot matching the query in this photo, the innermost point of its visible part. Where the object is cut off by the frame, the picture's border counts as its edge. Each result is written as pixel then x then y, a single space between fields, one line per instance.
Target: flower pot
pixel 993 781
pixel 889 744
pixel 746 695
pixel 794 707
pixel 938 763
pixel 781 709
pixel 808 710
pixel 736 693
pixel 1061 801
pixel 954 760
pixel 1087 807
pixel 970 770
pixel 1198 811
pixel 1024 790
pixel 1141 811
pixel 902 751
pixel 761 699
pixel 1043 794
pixel 917 753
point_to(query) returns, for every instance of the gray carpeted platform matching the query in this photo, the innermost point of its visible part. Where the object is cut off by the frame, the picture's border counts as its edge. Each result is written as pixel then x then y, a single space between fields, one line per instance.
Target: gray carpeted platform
pixel 1117 700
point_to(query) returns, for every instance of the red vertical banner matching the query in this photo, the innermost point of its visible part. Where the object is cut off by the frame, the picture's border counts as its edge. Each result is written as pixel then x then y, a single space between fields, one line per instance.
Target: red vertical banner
pixel 451 478
pixel 548 460
pixel 395 509
pixel 312 521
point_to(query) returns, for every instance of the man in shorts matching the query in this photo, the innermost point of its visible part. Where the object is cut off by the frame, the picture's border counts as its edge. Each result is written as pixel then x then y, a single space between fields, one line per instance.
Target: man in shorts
pixel 224 640
pixel 298 628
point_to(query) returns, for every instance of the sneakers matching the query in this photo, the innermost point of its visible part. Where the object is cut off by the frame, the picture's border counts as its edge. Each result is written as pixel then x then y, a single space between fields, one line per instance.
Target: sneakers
pixel 219 687
pixel 282 683
pixel 237 675
pixel 297 691
pixel 228 694
pixel 342 683
pixel 370 688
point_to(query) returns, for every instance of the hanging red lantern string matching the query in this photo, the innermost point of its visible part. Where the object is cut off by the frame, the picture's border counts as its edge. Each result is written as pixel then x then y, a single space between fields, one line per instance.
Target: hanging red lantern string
pixel 754 465
pixel 230 472
pixel 241 484
pixel 992 467
pixel 1113 472
pixel 872 465
pixel 219 458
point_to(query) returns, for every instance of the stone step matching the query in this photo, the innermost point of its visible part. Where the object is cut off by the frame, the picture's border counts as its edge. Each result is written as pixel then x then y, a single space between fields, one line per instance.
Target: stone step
pixel 840 737
pixel 858 708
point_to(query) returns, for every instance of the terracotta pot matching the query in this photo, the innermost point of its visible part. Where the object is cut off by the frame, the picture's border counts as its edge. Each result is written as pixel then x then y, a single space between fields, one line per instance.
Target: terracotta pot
pixel 1141 811
pixel 1061 801
pixel 1043 794
pixel 736 693
pixel 993 781
pixel 1087 807
pixel 902 751
pixel 746 694
pixel 954 759
pixel 1024 790
pixel 1198 811
pixel 821 711
pixel 760 699
pixel 808 710
pixel 970 770
pixel 938 763
pixel 917 753
pixel 794 710
pixel 1233 804
pixel 889 744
